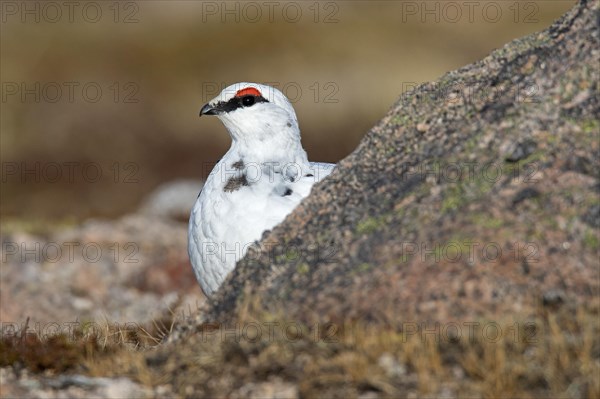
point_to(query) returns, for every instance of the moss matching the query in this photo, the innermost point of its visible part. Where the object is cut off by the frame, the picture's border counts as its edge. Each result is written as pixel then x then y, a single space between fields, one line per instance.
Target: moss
pixel 291 255
pixel 590 126
pixel 369 225
pixel 389 150
pixel 471 144
pixel 487 221
pixel 405 258
pixel 402 119
pixel 302 268
pixel 592 200
pixel 469 190
pixel 454 198
pixel 526 169
pixel 363 267
pixel 587 135
pixel 590 240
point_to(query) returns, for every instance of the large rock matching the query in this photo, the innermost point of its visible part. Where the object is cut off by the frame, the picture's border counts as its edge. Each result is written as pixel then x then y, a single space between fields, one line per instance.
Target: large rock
pixel 475 196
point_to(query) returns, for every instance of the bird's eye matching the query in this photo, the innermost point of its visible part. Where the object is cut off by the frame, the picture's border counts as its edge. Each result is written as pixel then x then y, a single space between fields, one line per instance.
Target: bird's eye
pixel 247 100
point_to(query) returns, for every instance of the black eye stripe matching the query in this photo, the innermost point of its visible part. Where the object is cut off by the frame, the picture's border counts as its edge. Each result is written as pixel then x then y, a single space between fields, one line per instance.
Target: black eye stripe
pixel 238 102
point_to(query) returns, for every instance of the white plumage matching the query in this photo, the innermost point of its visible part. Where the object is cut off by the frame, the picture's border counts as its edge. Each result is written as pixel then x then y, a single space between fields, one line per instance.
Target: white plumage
pixel 260 180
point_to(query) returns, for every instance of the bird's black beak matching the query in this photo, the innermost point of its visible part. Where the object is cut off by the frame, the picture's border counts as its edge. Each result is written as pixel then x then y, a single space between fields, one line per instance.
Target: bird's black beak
pixel 208 110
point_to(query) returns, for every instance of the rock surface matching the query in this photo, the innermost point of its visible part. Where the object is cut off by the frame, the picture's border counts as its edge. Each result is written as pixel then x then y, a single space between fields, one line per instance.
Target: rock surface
pixel 475 196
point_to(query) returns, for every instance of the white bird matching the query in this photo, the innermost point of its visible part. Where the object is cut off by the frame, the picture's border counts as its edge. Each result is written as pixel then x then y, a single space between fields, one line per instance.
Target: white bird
pixel 260 180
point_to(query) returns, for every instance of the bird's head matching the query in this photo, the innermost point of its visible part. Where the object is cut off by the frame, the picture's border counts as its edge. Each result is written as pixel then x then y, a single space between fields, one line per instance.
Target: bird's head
pixel 254 111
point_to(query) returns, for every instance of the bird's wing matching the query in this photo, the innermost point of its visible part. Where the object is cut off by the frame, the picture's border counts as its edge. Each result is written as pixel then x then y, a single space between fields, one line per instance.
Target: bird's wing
pixel 322 170
pixel 294 191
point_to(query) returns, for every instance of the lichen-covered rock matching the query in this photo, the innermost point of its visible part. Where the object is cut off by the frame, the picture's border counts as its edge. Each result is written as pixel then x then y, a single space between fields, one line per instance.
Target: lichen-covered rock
pixel 476 196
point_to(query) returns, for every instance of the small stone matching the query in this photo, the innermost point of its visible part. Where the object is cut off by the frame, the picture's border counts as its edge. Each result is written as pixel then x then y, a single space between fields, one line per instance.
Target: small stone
pixel 172 200
pixel 422 127
pixel 525 194
pixel 519 150
pixel 525 266
pixel 592 216
pixel 458 372
pixel 580 164
pixel 369 395
pixel 82 304
pixel 553 298
pixel 391 366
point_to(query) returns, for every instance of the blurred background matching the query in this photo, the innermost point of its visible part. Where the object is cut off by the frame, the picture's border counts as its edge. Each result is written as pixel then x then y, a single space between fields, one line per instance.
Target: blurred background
pixel 100 99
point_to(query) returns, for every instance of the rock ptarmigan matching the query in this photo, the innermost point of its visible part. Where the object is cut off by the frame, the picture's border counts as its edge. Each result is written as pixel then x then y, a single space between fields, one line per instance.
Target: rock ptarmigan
pixel 260 180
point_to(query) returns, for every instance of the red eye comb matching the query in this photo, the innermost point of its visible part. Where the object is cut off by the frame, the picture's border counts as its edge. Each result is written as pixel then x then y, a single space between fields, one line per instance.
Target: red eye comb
pixel 250 91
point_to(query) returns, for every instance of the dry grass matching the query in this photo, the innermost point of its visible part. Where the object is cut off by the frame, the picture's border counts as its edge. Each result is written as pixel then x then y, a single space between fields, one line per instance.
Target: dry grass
pixel 550 354
pixel 76 349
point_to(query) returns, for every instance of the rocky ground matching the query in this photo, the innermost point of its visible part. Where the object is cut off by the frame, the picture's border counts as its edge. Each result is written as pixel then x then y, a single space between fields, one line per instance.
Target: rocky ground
pixel 125 271
pixel 453 253
pixel 114 279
